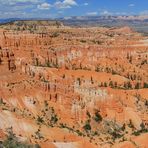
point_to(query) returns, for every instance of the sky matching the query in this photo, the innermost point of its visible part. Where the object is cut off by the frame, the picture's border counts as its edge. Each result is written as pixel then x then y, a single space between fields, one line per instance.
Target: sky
pixel 67 8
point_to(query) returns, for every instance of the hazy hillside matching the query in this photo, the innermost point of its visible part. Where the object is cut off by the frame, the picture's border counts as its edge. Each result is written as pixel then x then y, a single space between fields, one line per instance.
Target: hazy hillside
pixel 139 23
pixel 30 24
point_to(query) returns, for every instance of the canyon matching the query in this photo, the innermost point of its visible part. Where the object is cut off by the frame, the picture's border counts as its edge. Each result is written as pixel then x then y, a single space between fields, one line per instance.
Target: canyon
pixel 73 87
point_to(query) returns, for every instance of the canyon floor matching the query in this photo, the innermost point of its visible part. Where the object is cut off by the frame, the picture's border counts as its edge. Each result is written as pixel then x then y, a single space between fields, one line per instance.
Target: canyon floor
pixel 73 87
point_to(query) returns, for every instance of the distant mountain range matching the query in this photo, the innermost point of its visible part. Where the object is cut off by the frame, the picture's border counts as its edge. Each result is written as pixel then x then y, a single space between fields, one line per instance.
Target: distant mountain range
pixel 8 20
pixel 139 23
pixel 134 17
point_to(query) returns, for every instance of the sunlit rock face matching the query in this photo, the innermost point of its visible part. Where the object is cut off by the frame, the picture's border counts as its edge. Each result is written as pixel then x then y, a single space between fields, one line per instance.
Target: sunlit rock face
pixel 74 87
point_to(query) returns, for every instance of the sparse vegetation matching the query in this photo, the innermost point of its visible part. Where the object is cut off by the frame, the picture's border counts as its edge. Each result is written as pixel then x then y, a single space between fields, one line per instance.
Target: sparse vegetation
pixel 79 83
pixel 87 126
pixel 97 117
pixel 12 141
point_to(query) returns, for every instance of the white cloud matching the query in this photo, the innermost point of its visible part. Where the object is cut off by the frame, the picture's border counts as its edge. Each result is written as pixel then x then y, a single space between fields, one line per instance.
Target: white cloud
pixel 106 12
pixel 67 18
pixel 61 5
pixel 120 13
pixel 70 2
pixel 65 4
pixel 85 4
pixel 131 5
pixel 19 8
pixel 33 8
pixel 92 13
pixel 14 2
pixel 145 12
pixel 44 6
pixel 23 1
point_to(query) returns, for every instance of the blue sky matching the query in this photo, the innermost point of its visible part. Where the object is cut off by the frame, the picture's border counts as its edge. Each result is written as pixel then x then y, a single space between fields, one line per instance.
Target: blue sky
pixel 66 8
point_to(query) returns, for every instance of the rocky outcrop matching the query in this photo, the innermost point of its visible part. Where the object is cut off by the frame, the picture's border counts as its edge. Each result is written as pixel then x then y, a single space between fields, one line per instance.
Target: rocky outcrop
pixel 75 87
